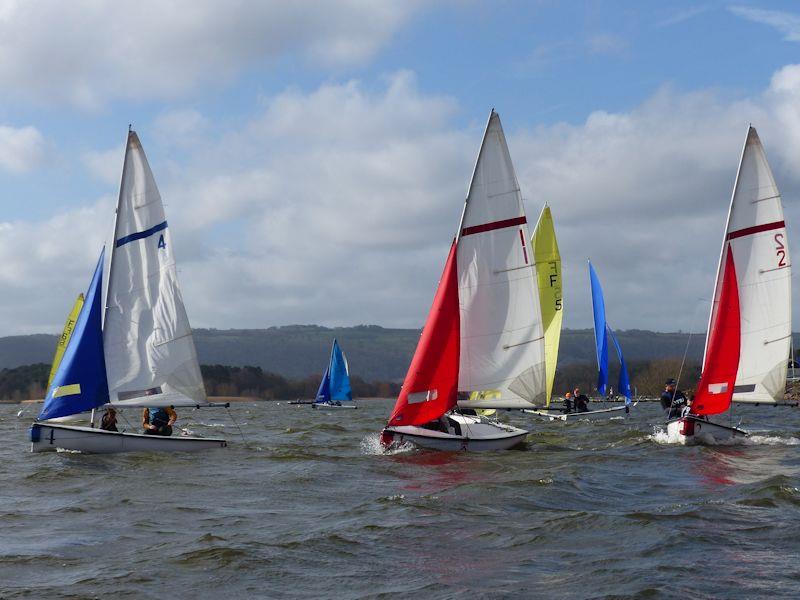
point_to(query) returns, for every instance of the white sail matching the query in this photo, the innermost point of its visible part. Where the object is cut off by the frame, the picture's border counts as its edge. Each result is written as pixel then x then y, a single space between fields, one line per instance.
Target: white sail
pixel 149 350
pixel 502 339
pixel 757 234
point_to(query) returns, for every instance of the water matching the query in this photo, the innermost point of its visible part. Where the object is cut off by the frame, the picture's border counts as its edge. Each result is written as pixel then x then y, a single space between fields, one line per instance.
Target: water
pixel 308 506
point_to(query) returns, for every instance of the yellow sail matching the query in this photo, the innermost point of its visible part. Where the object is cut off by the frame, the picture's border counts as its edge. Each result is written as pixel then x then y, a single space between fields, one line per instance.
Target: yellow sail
pixel 61 346
pixel 548 273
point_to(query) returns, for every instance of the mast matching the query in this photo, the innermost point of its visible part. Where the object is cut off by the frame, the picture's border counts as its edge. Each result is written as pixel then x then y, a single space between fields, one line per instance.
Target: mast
pixel 717 281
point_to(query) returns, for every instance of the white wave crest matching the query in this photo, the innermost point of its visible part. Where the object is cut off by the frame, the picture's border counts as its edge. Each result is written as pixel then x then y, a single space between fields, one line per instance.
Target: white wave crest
pixel 371 444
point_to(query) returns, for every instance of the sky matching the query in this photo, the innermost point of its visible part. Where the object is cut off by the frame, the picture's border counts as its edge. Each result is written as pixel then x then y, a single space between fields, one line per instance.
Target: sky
pixel 314 156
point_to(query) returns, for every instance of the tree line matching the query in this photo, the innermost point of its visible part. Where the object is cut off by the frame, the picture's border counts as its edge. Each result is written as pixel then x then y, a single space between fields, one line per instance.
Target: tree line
pixel 29 382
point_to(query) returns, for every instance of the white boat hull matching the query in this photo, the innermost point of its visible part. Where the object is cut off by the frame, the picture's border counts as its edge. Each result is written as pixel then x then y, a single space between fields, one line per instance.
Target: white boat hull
pixel 592 415
pixel 690 431
pixel 326 406
pixel 476 436
pixel 47 437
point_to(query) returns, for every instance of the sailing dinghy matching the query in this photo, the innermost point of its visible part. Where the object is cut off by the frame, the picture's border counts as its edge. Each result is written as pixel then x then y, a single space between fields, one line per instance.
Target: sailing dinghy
pixel 602 334
pixel 482 346
pixel 749 330
pixel 334 389
pixel 131 345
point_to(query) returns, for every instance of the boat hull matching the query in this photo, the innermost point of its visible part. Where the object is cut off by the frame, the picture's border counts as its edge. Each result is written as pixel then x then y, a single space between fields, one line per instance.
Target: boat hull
pixel 691 431
pixel 48 437
pixel 592 415
pixel 480 436
pixel 326 406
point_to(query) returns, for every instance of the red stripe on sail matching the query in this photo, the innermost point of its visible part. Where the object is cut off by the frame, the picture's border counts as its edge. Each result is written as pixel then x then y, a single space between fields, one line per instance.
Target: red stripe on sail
pixel 432 377
pixel 756 229
pixel 494 225
pixel 715 390
pixel 524 249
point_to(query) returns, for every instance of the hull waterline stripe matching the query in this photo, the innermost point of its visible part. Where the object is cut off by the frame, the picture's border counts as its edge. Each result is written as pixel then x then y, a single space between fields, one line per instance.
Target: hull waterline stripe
pixel 756 229
pixel 140 235
pixel 494 225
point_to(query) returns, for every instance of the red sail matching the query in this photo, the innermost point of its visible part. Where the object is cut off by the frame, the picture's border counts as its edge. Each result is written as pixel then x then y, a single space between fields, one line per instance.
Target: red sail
pixel 715 390
pixel 431 383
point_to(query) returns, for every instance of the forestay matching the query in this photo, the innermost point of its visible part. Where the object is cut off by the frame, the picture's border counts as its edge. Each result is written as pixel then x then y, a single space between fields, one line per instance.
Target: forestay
pixel 149 351
pixel 502 339
pixel 548 272
pixel 757 235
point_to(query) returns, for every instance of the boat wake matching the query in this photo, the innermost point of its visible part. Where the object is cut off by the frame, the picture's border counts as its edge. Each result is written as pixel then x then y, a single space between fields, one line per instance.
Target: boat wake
pixel 371 445
pixel 660 436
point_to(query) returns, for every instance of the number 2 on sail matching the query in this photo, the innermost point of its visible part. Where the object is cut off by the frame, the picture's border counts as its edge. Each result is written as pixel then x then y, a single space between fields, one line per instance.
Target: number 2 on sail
pixel 780 250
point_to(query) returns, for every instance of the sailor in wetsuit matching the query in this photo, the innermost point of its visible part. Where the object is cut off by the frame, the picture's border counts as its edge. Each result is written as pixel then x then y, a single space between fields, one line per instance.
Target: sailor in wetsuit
pixel 673 400
pixel 159 421
pixel 568 402
pixel 581 401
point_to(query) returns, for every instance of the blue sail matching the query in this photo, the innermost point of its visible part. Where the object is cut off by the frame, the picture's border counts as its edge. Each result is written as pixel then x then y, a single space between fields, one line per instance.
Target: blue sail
pixel 324 391
pixel 624 382
pixel 340 377
pixel 600 327
pixel 80 383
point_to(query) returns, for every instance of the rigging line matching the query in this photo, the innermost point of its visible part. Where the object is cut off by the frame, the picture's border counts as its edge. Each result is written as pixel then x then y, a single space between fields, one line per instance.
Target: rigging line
pixel 685 352
pixel 227 408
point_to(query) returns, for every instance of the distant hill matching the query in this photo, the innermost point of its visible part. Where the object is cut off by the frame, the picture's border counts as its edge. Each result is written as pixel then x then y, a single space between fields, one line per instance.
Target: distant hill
pixel 375 353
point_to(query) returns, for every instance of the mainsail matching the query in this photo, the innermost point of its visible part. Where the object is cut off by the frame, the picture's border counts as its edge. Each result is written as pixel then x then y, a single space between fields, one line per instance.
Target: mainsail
pixel 149 351
pixel 722 359
pixel 502 339
pixel 339 375
pixel 66 334
pixel 548 271
pixel 602 333
pixel 80 383
pixel 429 389
pixel 756 235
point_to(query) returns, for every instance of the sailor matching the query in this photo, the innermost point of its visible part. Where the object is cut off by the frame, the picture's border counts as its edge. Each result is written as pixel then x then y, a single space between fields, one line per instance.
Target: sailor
pixel 672 399
pixel 159 421
pixel 581 401
pixel 568 402
pixel 109 421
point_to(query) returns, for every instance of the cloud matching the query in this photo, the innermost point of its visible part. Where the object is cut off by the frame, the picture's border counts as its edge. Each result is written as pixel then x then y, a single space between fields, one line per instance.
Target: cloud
pixel 21 149
pixel 86 53
pixel 337 206
pixel 684 15
pixel 606 43
pixel 785 22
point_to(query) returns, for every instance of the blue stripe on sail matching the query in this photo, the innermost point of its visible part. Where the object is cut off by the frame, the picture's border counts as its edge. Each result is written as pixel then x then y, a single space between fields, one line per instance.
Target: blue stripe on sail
pixel 624 382
pixel 340 380
pixel 139 235
pixel 601 341
pixel 83 368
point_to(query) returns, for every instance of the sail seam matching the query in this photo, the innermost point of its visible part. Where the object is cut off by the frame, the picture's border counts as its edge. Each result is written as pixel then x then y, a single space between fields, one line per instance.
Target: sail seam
pixel 764 199
pixel 761 271
pixel 512 269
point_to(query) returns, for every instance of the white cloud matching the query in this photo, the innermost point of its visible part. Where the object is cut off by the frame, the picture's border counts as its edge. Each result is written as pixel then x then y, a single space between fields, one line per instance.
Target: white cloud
pixel 337 206
pixel 85 52
pixel 21 149
pixel 785 22
pixel 104 165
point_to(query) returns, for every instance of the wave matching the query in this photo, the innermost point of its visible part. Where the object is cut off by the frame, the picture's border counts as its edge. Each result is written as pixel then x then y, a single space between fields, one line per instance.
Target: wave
pixel 660 436
pixel 371 445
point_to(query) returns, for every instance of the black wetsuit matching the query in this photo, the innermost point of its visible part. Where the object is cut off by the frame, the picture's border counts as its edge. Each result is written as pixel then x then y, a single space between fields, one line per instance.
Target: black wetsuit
pixel 674 403
pixel 567 405
pixel 581 403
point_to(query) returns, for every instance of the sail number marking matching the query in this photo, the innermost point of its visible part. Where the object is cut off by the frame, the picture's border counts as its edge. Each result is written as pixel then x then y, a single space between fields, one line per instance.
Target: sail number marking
pixel 780 249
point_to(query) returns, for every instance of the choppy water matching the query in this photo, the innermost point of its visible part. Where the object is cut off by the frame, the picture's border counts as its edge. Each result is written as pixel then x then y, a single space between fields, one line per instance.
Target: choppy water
pixel 308 506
